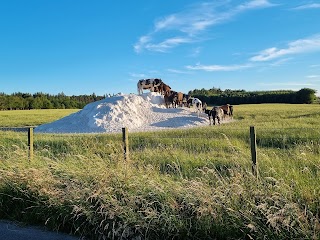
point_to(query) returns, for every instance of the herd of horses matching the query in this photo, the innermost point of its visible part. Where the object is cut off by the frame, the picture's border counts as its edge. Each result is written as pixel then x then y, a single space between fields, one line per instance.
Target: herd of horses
pixel 178 99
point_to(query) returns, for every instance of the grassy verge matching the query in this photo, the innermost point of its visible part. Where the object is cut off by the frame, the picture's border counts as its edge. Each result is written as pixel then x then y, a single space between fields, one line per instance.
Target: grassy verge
pixel 186 184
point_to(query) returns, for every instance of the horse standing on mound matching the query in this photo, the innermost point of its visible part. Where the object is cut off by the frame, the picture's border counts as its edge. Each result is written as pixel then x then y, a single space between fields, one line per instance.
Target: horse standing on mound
pixel 163 89
pixel 196 104
pixel 170 99
pixel 150 83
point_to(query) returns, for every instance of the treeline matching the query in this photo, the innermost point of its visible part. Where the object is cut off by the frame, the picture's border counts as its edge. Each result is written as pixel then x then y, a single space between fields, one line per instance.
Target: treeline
pixel 22 101
pixel 216 96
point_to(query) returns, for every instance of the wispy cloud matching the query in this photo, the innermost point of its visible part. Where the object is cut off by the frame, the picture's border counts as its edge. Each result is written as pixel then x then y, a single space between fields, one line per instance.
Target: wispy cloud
pixel 310 44
pixel 280 62
pixel 166 44
pixel 313 76
pixel 178 71
pixel 218 68
pixel 137 75
pixel 186 26
pixel 307 6
pixel 144 40
pixel 254 5
pixel 195 52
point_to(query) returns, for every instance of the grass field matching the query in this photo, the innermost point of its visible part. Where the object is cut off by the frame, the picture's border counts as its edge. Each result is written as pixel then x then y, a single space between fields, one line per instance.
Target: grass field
pixel 22 118
pixel 180 184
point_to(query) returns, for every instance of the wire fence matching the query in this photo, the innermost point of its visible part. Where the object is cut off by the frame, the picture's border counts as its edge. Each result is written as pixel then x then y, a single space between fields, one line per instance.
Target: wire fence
pixel 197 146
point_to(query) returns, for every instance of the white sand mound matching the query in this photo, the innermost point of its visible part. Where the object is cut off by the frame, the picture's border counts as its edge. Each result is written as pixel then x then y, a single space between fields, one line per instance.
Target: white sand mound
pixel 138 113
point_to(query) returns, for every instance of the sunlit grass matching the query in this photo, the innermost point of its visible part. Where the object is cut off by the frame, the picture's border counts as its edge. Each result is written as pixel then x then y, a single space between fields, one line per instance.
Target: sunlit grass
pixel 22 118
pixel 185 184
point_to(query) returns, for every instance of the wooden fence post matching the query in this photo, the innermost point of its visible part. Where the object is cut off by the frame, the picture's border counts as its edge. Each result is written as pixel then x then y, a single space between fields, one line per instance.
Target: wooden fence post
pixel 125 143
pixel 30 143
pixel 253 151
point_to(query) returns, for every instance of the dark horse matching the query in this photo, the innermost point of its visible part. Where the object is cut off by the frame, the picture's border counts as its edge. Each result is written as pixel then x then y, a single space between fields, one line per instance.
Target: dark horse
pixel 214 113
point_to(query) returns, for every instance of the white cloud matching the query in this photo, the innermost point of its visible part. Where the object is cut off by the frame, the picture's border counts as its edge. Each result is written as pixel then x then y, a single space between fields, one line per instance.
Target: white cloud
pixel 280 62
pixel 307 6
pixel 190 23
pixel 177 71
pixel 167 44
pixel 167 22
pixel 311 44
pixel 313 76
pixel 255 4
pixel 142 41
pixel 217 68
pixel 137 75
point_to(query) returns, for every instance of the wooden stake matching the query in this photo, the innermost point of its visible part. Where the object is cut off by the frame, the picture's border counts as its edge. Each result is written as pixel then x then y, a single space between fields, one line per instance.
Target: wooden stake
pixel 125 143
pixel 30 143
pixel 253 151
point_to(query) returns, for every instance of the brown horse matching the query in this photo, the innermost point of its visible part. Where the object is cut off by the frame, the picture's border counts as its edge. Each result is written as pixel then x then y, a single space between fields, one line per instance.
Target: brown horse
pixel 227 111
pixel 163 88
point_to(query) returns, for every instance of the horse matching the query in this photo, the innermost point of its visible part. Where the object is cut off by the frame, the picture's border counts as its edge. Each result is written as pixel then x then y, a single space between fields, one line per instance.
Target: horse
pixel 185 98
pixel 213 114
pixel 196 104
pixel 227 110
pixel 170 98
pixel 231 111
pixel 150 83
pixel 162 88
pixel 180 99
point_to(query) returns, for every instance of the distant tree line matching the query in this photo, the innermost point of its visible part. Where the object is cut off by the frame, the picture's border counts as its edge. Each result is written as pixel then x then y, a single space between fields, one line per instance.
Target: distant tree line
pixel 21 101
pixel 216 96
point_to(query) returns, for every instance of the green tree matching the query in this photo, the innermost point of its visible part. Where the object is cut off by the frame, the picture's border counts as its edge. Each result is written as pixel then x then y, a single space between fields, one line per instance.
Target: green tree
pixel 36 103
pixel 306 95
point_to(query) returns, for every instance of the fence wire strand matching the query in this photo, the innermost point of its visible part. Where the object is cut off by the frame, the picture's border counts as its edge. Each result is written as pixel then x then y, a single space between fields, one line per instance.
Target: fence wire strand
pixel 209 143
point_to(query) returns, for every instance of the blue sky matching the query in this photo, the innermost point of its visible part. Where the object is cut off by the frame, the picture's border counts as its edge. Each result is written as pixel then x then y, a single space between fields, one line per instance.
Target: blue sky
pixel 80 46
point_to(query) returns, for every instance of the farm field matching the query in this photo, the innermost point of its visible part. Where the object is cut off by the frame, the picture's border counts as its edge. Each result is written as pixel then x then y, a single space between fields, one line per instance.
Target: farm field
pixel 179 184
pixel 22 118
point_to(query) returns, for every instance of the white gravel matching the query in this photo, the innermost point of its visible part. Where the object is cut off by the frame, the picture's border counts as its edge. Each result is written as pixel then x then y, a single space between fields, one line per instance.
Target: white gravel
pixel 145 112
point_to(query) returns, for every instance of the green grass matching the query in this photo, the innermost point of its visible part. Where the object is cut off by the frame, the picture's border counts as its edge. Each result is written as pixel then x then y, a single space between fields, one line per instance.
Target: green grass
pixel 22 118
pixel 180 184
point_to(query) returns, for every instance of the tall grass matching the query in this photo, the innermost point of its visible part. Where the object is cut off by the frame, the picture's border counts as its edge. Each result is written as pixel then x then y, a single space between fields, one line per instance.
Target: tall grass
pixel 180 184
